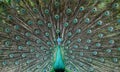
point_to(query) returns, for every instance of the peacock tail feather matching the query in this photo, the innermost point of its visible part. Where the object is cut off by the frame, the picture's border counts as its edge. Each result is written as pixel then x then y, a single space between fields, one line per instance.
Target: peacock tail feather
pixel 59 36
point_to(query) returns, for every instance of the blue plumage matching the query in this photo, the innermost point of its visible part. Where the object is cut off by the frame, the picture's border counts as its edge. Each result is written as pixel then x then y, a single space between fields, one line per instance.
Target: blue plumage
pixel 59 36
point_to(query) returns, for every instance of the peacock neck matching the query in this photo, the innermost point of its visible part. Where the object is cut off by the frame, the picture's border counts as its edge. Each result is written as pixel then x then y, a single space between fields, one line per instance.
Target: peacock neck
pixel 59 63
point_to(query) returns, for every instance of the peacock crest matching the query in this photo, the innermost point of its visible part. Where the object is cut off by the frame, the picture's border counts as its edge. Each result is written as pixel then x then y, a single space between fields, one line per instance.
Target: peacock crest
pixel 59 36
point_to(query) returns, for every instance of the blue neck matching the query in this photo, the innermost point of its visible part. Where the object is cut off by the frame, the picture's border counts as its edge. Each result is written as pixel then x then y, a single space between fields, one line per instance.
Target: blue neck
pixel 59 64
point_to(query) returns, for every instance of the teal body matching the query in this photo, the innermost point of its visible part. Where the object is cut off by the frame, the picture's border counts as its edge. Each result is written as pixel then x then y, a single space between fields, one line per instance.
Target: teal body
pixel 59 64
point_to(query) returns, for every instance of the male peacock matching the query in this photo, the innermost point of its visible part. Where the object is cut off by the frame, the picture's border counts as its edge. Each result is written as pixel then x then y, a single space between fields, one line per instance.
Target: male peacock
pixel 59 36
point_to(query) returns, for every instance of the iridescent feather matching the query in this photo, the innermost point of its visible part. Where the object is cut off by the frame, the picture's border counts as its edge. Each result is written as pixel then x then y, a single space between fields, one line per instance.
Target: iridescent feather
pixel 59 36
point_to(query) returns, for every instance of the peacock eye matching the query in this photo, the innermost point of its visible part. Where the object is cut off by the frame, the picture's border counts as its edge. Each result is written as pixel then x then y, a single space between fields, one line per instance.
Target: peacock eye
pixel 111 41
pixel 17 62
pixel 68 42
pixel 71 51
pixel 115 60
pixel 91 69
pixel 38 41
pixel 17 37
pixel 107 13
pixel 88 40
pixel 99 23
pixel 10 17
pixel 89 59
pixel 37 31
pixel 98 44
pixel 49 43
pixel 66 24
pixel 81 64
pixel 102 60
pixel 69 34
pixel 79 40
pixel 11 55
pixel 81 9
pixel 68 11
pixel 16 27
pixel 94 9
pixel 42 48
pixel 46 11
pixel 32 50
pixel 75 21
pixel 50 25
pixel 28 61
pixel 23 11
pixel 115 5
pixel 35 10
pixel 4 63
pixel 81 54
pixel 30 22
pixel 47 34
pixel 7 30
pixel 87 20
pixel 37 55
pixel 108 50
pixel 100 35
pixel 27 34
pixel 58 31
pixel 78 31
pixel 56 16
pixel 20 47
pixel 75 46
pixel 110 29
pixel 40 22
pixel 89 31
pixel 86 47
pixel 23 55
pixel 57 4
pixel 28 42
pixel 7 43
pixel 94 52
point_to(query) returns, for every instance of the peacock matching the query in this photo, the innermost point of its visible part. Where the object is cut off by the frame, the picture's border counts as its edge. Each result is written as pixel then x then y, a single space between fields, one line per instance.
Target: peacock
pixel 59 36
